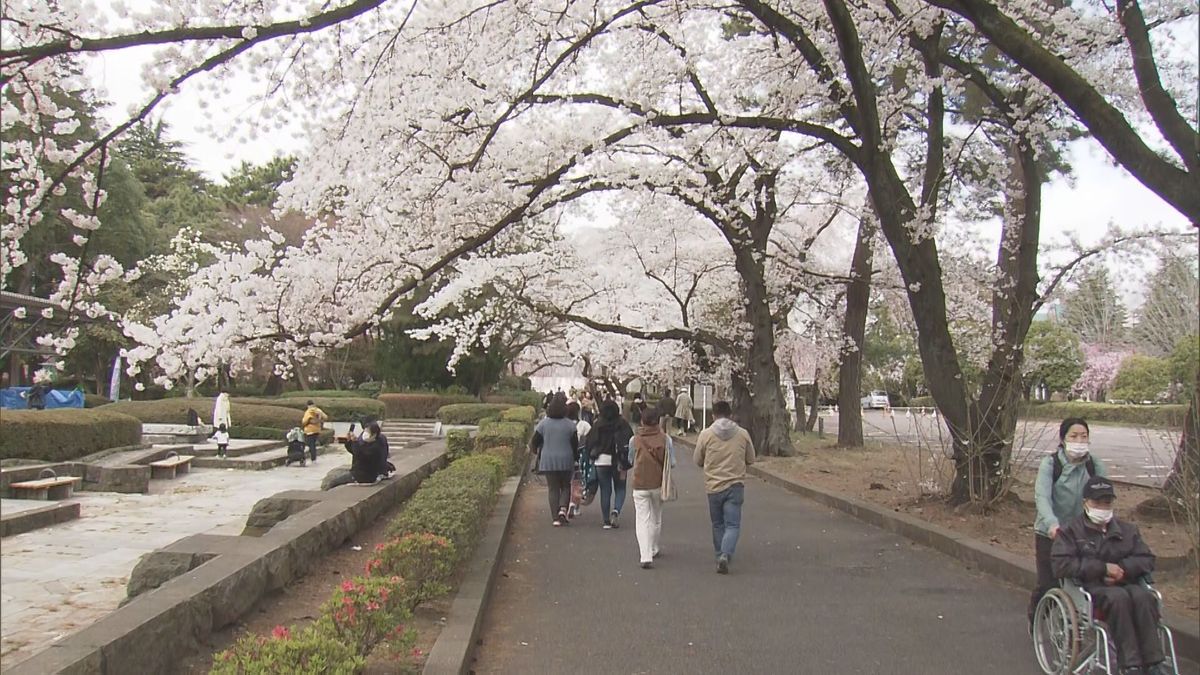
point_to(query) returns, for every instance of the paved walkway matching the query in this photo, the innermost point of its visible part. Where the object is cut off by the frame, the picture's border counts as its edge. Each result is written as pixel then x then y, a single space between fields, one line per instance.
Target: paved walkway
pixel 59 579
pixel 811 591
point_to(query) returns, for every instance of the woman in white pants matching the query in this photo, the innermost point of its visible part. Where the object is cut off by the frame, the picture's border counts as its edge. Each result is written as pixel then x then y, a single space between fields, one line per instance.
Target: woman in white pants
pixel 651 450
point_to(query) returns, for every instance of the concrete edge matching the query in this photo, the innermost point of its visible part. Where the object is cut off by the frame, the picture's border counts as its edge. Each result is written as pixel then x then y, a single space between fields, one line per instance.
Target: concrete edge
pixel 984 557
pixel 34 519
pixel 452 652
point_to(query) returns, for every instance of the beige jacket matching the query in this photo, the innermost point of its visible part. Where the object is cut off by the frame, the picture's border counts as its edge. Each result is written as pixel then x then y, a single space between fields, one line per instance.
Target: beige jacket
pixel 724 450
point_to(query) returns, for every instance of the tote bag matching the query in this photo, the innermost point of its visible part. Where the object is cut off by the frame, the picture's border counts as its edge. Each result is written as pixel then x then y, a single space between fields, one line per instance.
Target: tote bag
pixel 669 491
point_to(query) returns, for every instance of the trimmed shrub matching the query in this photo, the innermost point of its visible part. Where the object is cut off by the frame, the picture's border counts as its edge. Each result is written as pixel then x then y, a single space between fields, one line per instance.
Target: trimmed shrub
pixel 469 413
pixel 523 414
pixel 458 444
pixel 921 402
pixel 310 650
pixel 174 411
pixel 532 399
pixel 328 393
pixel 453 502
pixel 422 559
pixel 65 433
pixel 367 611
pixel 511 438
pixel 339 409
pixel 1143 415
pixel 372 389
pixel 419 405
pixel 95 400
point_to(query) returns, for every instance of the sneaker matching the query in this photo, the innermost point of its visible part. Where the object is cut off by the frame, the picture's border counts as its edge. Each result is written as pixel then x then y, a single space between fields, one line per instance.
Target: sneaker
pixel 656 555
pixel 647 565
pixel 612 518
pixel 723 564
pixel 1159 668
pixel 562 516
pixel 557 522
pixel 607 526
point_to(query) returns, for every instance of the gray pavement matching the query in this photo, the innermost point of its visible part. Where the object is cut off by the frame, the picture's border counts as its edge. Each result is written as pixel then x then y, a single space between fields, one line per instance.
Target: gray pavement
pixel 811 591
pixel 1136 455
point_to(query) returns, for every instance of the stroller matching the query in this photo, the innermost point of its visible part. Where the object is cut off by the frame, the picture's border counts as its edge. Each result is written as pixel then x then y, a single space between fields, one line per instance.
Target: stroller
pixel 584 484
pixel 295 447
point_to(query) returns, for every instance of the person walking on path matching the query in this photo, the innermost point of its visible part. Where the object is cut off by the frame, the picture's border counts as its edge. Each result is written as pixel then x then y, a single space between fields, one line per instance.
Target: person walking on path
pixel 724 450
pixel 636 409
pixel 555 442
pixel 1058 494
pixel 651 449
pixel 666 408
pixel 607 445
pixel 683 412
pixel 312 422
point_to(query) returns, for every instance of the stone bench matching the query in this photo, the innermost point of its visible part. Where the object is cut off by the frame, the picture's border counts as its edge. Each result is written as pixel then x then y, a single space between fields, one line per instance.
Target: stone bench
pixel 169 467
pixel 45 488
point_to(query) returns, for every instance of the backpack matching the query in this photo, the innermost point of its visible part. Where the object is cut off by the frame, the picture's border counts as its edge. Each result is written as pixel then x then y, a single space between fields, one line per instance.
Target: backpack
pixel 1090 465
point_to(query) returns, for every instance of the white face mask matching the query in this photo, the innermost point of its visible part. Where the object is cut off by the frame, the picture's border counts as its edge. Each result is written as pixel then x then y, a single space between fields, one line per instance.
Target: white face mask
pixel 1098 516
pixel 1076 451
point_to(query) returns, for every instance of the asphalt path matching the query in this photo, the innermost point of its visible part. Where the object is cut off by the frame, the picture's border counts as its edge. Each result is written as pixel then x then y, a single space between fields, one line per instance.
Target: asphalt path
pixel 811 590
pixel 1136 455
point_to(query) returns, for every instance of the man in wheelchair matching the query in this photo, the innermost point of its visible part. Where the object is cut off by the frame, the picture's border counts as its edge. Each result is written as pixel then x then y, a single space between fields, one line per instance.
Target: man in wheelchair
pixel 1109 558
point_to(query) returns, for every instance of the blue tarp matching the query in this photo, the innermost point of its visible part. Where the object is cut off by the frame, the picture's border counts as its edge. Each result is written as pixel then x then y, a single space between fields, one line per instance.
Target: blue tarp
pixel 12 398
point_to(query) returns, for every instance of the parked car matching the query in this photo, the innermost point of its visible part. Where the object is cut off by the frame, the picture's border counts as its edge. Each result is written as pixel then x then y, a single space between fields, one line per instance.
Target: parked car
pixel 875 399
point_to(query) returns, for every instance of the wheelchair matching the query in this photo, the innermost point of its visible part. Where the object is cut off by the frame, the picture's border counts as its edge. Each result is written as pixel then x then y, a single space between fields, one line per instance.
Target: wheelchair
pixel 1070 638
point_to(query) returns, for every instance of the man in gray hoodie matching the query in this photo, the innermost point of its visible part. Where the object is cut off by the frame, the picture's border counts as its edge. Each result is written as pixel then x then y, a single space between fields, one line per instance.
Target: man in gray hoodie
pixel 724 450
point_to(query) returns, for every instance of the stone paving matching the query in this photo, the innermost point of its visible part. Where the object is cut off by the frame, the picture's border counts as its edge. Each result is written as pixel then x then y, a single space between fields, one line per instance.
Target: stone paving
pixel 56 580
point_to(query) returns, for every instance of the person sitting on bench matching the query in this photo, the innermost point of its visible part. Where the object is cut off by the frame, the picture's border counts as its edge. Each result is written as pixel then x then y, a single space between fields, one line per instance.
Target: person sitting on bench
pixel 1109 558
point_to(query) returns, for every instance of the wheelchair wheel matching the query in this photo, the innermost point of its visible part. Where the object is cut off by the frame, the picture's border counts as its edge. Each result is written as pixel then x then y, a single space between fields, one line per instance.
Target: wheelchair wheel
pixel 1056 633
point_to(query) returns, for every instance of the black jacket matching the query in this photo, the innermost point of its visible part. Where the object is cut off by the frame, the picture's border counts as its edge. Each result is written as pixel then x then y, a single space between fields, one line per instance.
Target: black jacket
pixel 1080 551
pixel 370 458
pixel 610 437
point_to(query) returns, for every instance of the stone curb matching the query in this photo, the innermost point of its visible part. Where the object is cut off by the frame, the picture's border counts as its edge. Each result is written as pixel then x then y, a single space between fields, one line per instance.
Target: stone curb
pixel 984 557
pixel 452 651
pixel 33 519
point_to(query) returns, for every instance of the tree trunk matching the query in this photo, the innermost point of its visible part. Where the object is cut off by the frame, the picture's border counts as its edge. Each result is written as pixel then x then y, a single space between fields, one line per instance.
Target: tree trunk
pixel 298 372
pixel 274 386
pixel 854 328
pixel 1184 480
pixel 982 466
pixel 815 406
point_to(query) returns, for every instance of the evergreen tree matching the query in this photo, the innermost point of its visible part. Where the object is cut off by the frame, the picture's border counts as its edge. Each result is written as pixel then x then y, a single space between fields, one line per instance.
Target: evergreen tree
pixel 1170 309
pixel 1093 309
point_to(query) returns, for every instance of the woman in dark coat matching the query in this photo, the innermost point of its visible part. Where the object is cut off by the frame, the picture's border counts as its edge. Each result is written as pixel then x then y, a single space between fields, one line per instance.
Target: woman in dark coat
pixel 608 446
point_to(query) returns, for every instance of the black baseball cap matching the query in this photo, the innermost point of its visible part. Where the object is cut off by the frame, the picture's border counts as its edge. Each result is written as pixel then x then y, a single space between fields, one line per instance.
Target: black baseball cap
pixel 1098 487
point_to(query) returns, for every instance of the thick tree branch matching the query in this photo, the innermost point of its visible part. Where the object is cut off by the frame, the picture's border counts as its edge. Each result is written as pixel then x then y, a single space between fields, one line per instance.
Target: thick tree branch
pixel 1176 186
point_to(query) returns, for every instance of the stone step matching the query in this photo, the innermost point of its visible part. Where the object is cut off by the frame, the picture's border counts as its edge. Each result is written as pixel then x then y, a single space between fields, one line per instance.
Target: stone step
pixel 258 461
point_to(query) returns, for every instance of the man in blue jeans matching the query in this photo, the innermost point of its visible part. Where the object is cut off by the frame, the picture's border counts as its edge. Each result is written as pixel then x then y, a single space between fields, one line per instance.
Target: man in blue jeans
pixel 724 450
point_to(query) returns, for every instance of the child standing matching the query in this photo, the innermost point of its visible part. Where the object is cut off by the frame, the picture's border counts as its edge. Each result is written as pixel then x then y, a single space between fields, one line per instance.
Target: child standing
pixel 222 439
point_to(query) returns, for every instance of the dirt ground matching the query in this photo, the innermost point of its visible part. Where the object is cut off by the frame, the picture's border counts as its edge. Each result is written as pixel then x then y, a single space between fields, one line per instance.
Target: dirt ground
pixel 909 481
pixel 300 603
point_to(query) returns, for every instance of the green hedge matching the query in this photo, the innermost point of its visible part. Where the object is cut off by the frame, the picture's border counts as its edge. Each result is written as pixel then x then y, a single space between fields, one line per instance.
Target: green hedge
pixel 921 402
pixel 1145 415
pixel 458 444
pixel 454 502
pixel 339 409
pixel 469 413
pixel 420 405
pixel 174 411
pixel 328 393
pixel 524 414
pixel 95 400
pixel 65 433
pixel 532 399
